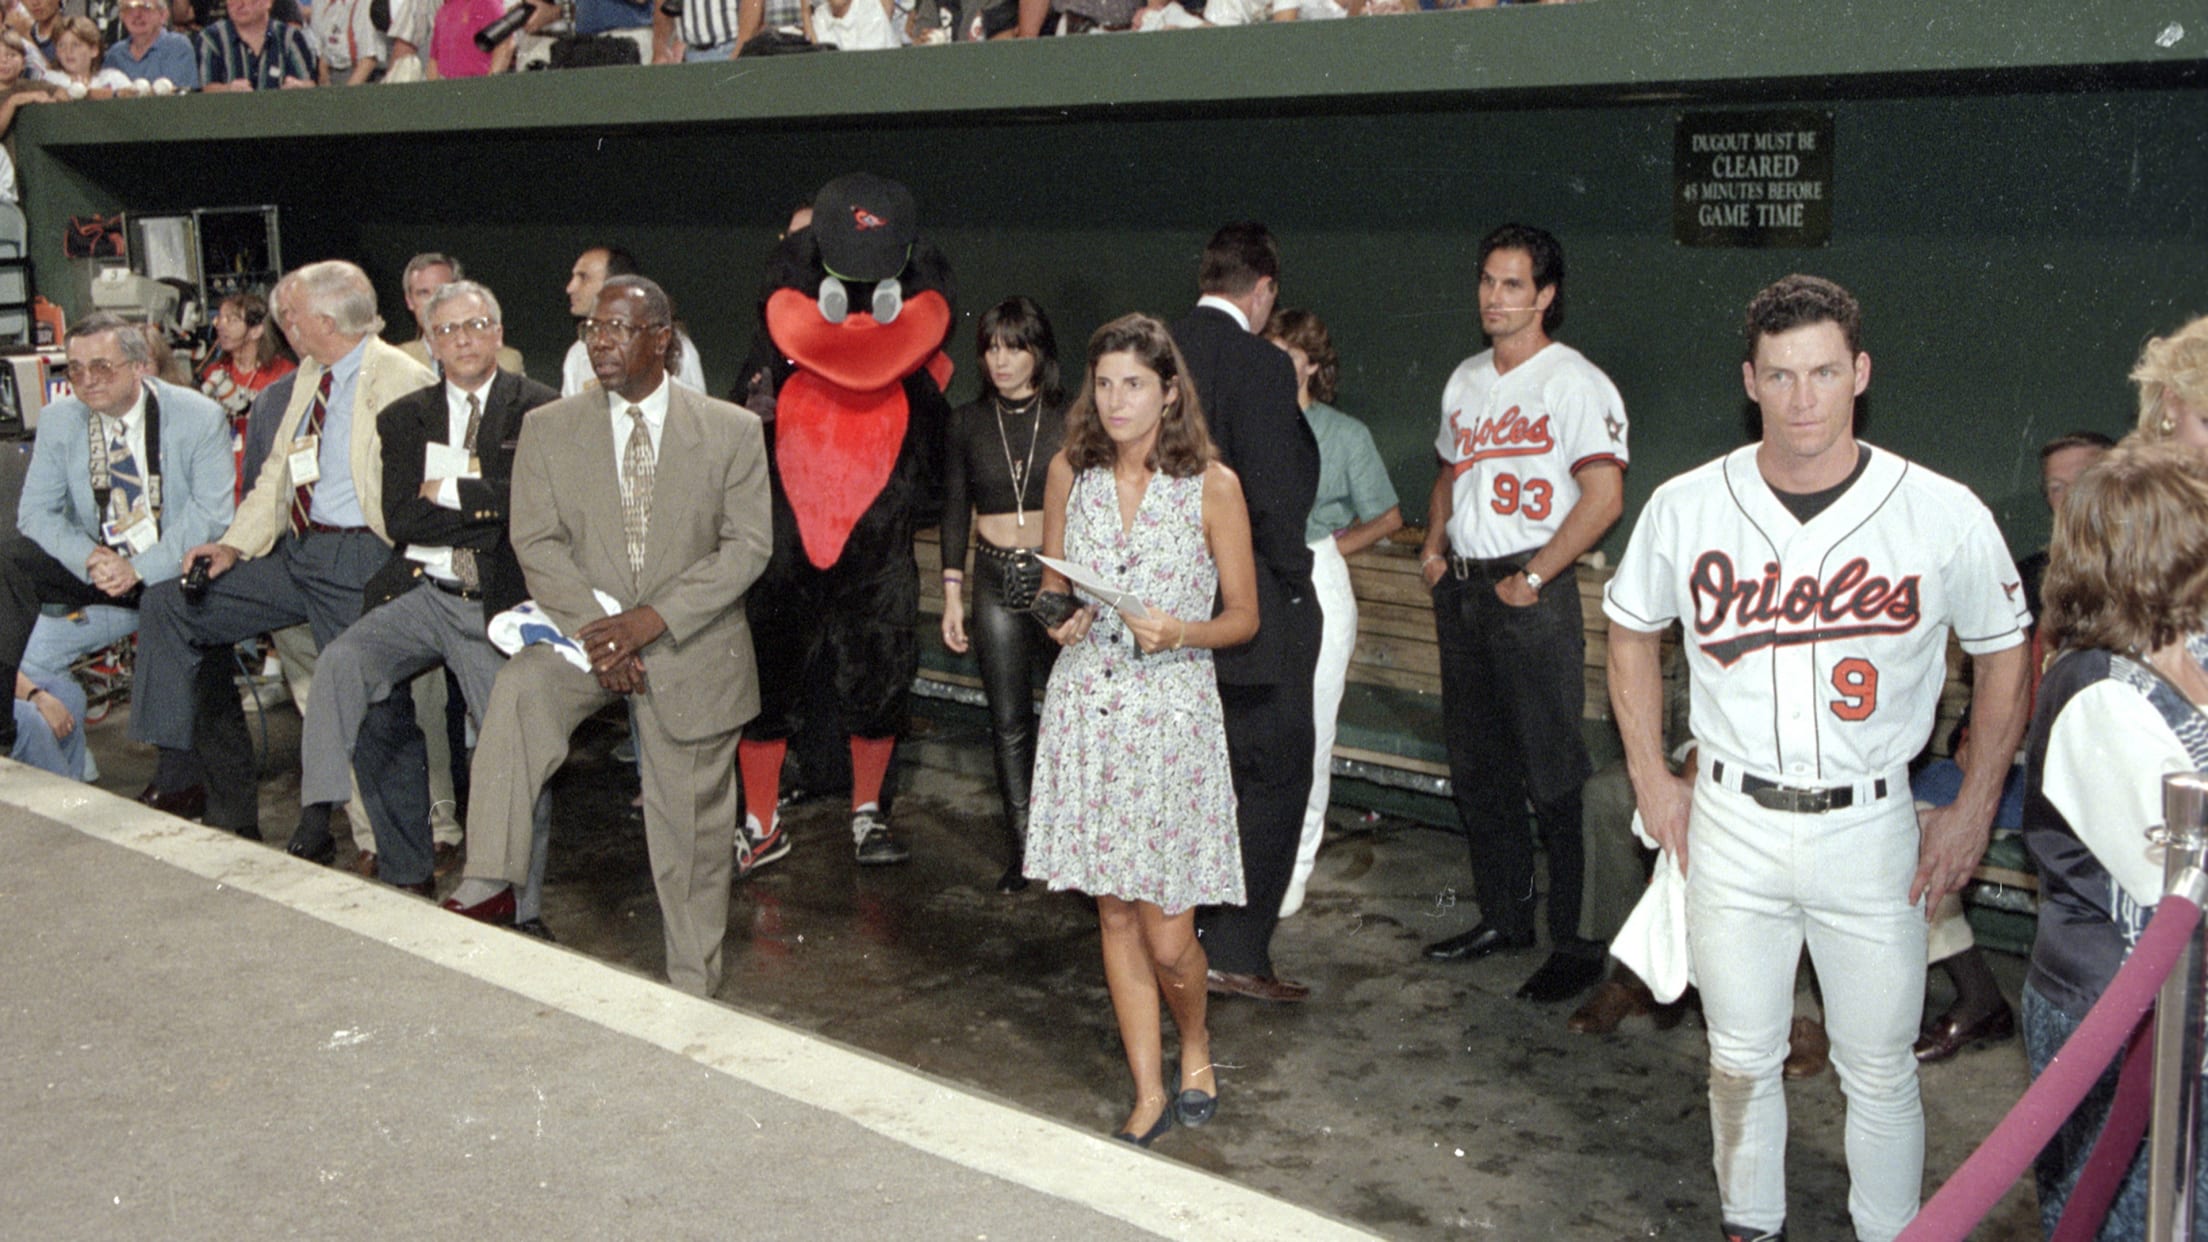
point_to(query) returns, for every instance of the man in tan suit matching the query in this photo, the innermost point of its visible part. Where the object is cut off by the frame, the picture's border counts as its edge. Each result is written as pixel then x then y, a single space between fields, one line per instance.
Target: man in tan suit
pixel 308 536
pixel 587 528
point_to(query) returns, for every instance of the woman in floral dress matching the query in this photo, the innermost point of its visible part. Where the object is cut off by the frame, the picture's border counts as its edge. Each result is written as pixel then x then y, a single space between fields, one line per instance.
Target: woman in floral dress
pixel 1133 803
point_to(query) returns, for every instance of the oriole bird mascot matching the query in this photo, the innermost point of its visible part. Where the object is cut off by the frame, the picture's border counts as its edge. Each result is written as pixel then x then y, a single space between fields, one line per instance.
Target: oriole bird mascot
pixel 860 305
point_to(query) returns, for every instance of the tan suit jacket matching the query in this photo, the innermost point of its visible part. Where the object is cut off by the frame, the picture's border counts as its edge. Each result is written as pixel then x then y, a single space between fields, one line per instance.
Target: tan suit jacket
pixel 386 374
pixel 711 530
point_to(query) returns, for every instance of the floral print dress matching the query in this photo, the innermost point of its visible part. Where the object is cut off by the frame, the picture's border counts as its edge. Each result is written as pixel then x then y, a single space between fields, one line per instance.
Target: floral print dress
pixel 1132 796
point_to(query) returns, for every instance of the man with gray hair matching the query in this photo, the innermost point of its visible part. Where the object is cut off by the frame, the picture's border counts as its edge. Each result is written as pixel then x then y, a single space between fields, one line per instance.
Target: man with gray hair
pixel 448 454
pixel 425 274
pixel 308 536
pixel 126 474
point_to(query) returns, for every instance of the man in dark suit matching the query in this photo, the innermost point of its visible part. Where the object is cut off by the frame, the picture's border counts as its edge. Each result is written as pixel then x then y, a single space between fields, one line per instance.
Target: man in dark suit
pixel 640 518
pixel 447 471
pixel 1248 390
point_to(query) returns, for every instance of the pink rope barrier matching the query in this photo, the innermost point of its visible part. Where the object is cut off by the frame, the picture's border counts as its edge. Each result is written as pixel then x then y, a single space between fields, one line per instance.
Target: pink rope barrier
pixel 2007 1152
pixel 2103 1175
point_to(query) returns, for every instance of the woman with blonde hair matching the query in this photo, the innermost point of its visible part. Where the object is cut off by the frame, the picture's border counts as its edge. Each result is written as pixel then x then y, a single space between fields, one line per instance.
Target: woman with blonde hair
pixel 2172 375
pixel 1133 799
pixel 2124 703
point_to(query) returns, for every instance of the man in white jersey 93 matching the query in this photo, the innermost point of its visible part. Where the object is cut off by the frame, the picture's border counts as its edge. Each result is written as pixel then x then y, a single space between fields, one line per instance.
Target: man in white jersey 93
pixel 1532 456
pixel 1817 579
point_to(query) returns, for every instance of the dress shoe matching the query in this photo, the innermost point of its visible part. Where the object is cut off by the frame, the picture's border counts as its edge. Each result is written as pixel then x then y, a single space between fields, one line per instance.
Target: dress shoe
pixel 314 846
pixel 1950 1034
pixel 1165 1122
pixel 189 802
pixel 1621 996
pixel 1256 987
pixel 445 858
pixel 498 909
pixel 1014 880
pixel 1474 945
pixel 1562 977
pixel 535 927
pixel 364 864
pixel 420 888
pixel 1193 1108
pixel 1808 1052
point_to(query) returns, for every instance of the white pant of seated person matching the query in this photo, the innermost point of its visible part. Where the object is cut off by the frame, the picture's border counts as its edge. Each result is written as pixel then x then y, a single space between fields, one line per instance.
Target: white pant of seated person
pixel 1759 884
pixel 1337 642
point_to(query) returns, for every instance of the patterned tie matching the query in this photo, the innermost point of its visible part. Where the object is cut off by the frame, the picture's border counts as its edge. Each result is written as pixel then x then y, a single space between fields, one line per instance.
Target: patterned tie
pixel 124 477
pixel 636 491
pixel 463 559
pixel 302 496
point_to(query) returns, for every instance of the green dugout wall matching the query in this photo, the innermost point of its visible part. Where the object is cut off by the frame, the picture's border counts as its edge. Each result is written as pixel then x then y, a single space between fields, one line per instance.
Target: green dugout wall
pixel 2019 193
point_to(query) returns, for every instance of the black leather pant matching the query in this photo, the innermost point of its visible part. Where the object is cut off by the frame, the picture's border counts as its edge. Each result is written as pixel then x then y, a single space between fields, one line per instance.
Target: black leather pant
pixel 1015 655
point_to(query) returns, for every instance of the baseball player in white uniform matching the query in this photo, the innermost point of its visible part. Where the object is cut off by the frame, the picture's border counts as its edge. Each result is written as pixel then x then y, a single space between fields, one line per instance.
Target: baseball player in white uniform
pixel 1532 450
pixel 1816 579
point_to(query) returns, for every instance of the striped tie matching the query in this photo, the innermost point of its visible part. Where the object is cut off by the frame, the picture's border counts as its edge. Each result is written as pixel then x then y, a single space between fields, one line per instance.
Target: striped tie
pixel 302 496
pixel 636 491
pixel 463 559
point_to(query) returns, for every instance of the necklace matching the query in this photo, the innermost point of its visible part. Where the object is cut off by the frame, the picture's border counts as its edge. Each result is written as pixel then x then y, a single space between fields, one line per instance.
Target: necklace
pixel 1020 471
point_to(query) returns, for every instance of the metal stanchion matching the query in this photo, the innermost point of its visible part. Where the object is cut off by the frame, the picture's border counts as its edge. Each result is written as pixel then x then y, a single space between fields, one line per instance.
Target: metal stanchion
pixel 2173 1151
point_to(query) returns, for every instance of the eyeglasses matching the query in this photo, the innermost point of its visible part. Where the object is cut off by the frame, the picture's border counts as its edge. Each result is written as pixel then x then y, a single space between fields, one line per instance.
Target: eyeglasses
pixel 619 331
pixel 148 6
pixel 473 327
pixel 99 369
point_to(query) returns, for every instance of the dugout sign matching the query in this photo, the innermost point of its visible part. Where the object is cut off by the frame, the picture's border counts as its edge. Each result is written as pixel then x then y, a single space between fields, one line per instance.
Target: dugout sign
pixel 1752 179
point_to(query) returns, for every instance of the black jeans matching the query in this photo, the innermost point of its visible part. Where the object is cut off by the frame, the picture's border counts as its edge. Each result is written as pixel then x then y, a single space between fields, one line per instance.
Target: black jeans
pixel 1015 655
pixel 1512 687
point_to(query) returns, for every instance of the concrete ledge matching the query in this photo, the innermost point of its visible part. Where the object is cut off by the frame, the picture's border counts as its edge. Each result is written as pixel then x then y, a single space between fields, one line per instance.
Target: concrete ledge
pixel 209 1038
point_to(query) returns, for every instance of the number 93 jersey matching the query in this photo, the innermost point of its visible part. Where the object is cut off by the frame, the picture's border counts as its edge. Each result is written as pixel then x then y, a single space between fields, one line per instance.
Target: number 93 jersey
pixel 1817 651
pixel 1515 442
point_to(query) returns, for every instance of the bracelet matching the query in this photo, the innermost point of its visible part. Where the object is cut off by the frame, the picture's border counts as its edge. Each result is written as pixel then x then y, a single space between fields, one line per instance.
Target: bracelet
pixel 953 577
pixel 1179 638
pixel 1430 559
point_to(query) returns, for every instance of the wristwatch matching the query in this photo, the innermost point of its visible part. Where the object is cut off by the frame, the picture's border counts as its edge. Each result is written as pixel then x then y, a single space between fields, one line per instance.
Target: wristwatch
pixel 1533 582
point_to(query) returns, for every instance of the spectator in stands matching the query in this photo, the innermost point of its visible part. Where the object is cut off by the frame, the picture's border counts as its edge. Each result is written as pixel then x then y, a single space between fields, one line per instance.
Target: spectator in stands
pixel 45 18
pixel 2172 376
pixel 992 485
pixel 639 21
pixel 2121 707
pixel 75 71
pixel 17 89
pixel 426 273
pixel 1355 508
pixel 353 51
pixel 707 35
pixel 1165 15
pixel 248 50
pixel 150 54
pixel 1248 12
pixel 855 25
pixel 452 49
pixel 592 268
pixel 248 358
pixel 409 33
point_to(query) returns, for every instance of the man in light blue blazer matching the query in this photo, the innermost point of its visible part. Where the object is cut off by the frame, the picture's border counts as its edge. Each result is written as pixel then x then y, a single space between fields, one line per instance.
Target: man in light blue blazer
pixel 124 477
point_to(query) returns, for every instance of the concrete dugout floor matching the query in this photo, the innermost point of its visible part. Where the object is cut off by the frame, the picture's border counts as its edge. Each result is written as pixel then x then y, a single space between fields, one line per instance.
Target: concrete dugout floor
pixel 340 1059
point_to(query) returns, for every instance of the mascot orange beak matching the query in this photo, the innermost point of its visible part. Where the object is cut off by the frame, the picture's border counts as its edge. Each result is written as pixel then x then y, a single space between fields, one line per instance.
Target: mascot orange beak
pixel 858 354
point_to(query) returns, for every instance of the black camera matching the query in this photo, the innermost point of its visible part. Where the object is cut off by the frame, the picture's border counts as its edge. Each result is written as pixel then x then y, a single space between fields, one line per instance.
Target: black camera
pixel 194 587
pixel 503 28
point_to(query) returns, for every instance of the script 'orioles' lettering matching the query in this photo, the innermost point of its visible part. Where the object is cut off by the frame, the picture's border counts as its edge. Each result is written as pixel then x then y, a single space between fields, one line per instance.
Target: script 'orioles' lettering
pixel 1508 434
pixel 1851 603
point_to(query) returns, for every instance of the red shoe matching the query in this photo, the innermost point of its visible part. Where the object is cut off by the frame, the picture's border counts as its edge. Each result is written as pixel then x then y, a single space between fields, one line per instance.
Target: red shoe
pixel 498 909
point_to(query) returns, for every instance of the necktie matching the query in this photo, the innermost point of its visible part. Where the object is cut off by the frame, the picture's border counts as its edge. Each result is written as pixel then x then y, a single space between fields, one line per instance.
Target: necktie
pixel 463 559
pixel 302 496
pixel 636 491
pixel 123 477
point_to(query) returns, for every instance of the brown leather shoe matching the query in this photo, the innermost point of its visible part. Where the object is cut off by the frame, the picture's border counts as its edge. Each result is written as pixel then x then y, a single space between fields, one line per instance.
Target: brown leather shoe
pixel 1256 987
pixel 1621 996
pixel 447 858
pixel 1950 1034
pixel 364 864
pixel 189 802
pixel 1808 1052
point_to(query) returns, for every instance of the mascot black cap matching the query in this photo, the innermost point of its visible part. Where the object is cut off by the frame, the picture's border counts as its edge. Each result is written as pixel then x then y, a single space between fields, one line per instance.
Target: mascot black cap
pixel 865 226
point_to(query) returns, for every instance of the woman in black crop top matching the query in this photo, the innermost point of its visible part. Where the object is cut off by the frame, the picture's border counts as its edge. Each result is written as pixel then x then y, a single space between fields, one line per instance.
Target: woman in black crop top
pixel 1000 450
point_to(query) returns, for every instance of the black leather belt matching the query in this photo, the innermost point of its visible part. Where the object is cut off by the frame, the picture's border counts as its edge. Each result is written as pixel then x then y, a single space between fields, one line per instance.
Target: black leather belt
pixel 452 588
pixel 1795 799
pixel 324 528
pixel 1491 569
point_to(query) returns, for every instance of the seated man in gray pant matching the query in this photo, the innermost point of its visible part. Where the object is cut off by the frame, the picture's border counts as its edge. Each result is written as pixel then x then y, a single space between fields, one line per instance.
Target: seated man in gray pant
pixel 447 475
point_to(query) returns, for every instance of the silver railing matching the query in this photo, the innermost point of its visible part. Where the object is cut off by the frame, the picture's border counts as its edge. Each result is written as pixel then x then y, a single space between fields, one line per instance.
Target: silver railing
pixel 2173 1144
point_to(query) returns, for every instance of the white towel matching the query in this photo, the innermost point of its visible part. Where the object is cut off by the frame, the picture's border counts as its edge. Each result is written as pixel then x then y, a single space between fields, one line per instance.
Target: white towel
pixel 1653 942
pixel 525 623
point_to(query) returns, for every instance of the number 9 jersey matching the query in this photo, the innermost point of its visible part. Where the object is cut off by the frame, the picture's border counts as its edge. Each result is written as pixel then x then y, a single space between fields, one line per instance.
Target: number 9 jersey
pixel 1515 442
pixel 1817 650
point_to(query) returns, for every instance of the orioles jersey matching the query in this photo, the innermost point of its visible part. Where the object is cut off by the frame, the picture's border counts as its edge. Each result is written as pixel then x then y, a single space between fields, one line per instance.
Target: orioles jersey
pixel 1816 651
pixel 1515 443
